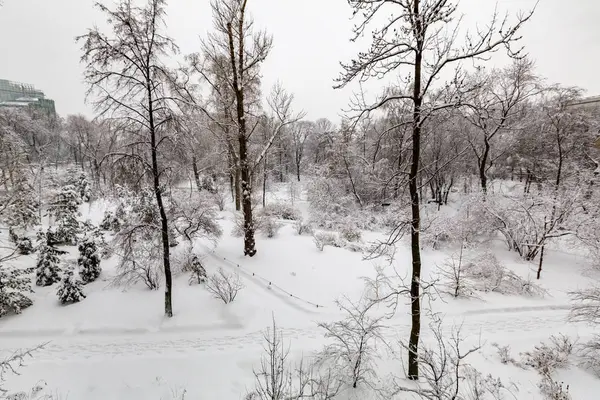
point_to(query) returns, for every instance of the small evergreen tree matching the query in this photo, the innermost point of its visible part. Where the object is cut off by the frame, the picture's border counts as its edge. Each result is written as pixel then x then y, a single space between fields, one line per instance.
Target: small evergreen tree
pixel 83 188
pixel 48 263
pixel 23 209
pixel 88 260
pixel 198 272
pixel 65 209
pixel 15 285
pixel 70 289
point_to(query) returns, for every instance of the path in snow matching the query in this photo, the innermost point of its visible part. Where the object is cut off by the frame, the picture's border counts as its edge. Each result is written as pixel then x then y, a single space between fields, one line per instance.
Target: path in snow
pixel 525 323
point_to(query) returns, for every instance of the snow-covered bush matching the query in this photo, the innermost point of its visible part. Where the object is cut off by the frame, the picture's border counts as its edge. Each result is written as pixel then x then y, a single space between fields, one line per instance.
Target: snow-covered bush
pixel 140 260
pixel 277 379
pixel 504 354
pixel 455 278
pixel 350 233
pixel 303 228
pixel 491 276
pixel 15 287
pixel 588 354
pixel 270 227
pixel 198 273
pixel 23 243
pixel 352 353
pixel 88 260
pixel 528 221
pixel 48 269
pixel 545 358
pixel 22 211
pixel 470 226
pixel 193 218
pixel 65 210
pixel 445 373
pixel 70 289
pixel 112 221
pixel 322 239
pixel 553 390
pixel 281 211
pixel 224 286
pixel 83 188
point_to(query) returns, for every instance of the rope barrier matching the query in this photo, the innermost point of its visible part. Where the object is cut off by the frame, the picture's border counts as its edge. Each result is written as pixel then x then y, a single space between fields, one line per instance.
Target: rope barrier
pixel 269 282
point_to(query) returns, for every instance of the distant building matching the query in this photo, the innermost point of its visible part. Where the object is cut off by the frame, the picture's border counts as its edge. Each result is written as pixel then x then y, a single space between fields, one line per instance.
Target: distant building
pixel 589 103
pixel 15 94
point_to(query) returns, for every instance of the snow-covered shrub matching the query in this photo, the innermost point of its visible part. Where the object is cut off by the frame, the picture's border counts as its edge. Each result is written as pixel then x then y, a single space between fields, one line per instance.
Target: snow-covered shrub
pixel 65 210
pixel 88 260
pixel 198 273
pixel 281 211
pixel 48 269
pixel 588 354
pixel 15 286
pixel 445 373
pixel 491 276
pixel 553 390
pixel 322 239
pixel 270 227
pixel 22 211
pixel 83 188
pixel 70 289
pixel 193 218
pixel 546 358
pixel 455 279
pixel 352 353
pixel 224 286
pixel 23 243
pixel 277 379
pixel 470 226
pixel 504 354
pixel 111 221
pixel 528 221
pixel 303 228
pixel 350 233
pixel 140 260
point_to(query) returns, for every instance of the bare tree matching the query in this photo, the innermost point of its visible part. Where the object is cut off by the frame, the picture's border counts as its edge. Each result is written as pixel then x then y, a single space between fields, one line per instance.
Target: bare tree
pixel 240 51
pixel 127 74
pixel 494 108
pixel 300 133
pixel 420 37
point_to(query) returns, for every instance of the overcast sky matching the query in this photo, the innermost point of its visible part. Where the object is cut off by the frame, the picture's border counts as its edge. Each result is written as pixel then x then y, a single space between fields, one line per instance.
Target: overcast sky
pixel 311 36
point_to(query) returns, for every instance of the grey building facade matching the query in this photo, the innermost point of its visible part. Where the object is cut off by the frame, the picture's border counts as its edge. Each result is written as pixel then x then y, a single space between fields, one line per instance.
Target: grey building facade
pixel 16 94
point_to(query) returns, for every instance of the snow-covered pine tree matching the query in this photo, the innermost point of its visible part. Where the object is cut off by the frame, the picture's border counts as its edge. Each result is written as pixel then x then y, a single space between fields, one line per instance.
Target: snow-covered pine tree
pixel 198 272
pixel 84 188
pixel 15 285
pixel 88 260
pixel 70 289
pixel 65 209
pixel 48 263
pixel 23 209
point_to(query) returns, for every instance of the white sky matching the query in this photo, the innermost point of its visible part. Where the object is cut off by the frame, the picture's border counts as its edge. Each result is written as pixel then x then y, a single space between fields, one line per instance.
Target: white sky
pixel 311 36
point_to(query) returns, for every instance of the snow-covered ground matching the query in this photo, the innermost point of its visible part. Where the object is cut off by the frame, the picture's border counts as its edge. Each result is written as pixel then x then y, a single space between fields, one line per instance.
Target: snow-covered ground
pixel 116 344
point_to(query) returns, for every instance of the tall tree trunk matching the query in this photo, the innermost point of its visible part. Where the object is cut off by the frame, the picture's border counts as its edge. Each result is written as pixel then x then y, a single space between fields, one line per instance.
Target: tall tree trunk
pixel 164 225
pixel 196 174
pixel 245 172
pixel 264 182
pixel 483 165
pixel 415 331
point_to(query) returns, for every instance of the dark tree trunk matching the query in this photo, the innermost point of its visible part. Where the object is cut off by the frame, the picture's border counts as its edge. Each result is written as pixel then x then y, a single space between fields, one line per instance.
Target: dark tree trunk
pixel 264 182
pixel 196 174
pixel 483 165
pixel 244 167
pixel 415 330
pixel 164 224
